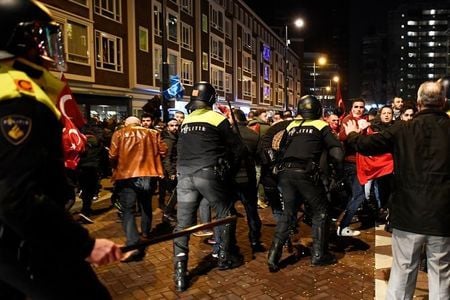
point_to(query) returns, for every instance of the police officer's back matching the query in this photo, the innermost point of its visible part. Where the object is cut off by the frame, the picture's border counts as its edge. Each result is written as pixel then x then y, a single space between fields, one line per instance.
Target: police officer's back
pixel 299 180
pixel 208 153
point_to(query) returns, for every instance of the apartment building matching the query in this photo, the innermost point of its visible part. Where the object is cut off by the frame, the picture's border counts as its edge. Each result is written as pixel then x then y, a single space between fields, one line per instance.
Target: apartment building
pixel 419 41
pixel 114 53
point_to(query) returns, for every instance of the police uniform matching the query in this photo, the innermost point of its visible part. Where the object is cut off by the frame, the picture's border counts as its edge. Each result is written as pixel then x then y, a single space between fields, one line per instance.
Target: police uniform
pixel 206 145
pixel 299 181
pixel 42 250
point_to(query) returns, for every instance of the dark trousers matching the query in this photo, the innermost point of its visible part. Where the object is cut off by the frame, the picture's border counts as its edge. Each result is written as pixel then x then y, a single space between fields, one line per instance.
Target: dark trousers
pixel 134 191
pixel 190 191
pixel 248 194
pixel 88 183
pixel 297 187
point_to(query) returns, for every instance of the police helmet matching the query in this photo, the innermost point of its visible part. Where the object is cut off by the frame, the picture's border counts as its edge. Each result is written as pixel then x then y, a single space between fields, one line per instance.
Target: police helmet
pixel 309 107
pixel 205 92
pixel 28 31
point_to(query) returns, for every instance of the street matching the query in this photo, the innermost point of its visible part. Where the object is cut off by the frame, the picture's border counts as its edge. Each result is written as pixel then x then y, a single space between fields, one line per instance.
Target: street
pixel 353 277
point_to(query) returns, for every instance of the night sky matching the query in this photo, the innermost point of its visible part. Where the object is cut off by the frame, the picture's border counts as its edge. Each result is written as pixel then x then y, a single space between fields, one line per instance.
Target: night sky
pixel 366 16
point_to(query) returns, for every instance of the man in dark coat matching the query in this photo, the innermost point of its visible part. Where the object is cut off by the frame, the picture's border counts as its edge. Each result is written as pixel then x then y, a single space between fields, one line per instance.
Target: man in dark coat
pixel 420 212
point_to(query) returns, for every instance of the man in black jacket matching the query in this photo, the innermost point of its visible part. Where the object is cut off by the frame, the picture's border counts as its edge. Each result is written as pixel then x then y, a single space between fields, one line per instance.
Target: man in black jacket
pixel 245 180
pixel 169 182
pixel 420 209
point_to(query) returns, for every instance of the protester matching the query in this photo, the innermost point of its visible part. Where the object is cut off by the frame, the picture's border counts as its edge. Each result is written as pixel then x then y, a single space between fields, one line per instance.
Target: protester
pixel 420 209
pixel 135 155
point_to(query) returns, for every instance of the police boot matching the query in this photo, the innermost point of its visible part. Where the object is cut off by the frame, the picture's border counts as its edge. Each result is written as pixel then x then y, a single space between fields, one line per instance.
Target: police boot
pixel 274 256
pixel 320 254
pixel 180 277
pixel 229 256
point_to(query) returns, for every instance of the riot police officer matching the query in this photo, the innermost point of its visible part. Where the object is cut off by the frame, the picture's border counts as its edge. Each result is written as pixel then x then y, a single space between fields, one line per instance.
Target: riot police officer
pixel 44 253
pixel 299 179
pixel 208 155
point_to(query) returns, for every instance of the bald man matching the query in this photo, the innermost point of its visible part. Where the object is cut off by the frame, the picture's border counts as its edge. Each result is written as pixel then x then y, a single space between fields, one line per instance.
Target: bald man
pixel 135 154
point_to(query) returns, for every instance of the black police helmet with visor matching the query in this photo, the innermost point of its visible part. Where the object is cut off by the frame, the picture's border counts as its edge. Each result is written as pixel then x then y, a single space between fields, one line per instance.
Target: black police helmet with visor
pixel 28 31
pixel 309 107
pixel 203 94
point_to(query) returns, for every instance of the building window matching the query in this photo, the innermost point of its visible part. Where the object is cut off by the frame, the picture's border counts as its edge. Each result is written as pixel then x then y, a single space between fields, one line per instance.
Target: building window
pixel 187 72
pixel 239 74
pixel 157 20
pixel 239 44
pixel 216 19
pixel 157 63
pixel 205 61
pixel 228 83
pixel 247 62
pixel 253 89
pixel 109 51
pixel 110 9
pixel 228 59
pixel 172 60
pixel 216 48
pixel 172 24
pixel 77 43
pixel 248 40
pixel 266 72
pixel 228 29
pixel 143 39
pixel 266 93
pixel 186 6
pixel 217 76
pixel 186 36
pixel 253 67
pixel 204 23
pixel 246 86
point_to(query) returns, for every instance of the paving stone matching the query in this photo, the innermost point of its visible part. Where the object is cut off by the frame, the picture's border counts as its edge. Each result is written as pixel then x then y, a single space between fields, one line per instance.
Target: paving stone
pixel 351 278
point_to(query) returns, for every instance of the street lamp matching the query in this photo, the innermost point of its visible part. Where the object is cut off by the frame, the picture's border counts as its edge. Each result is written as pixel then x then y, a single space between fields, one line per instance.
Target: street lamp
pixel 321 61
pixel 299 23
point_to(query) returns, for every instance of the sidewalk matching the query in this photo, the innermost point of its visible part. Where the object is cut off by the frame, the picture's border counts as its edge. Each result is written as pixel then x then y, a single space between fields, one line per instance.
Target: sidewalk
pixel 383 261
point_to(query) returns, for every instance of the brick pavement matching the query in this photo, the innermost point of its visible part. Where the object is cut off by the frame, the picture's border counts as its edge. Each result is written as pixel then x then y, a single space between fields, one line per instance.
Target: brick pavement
pixel 351 278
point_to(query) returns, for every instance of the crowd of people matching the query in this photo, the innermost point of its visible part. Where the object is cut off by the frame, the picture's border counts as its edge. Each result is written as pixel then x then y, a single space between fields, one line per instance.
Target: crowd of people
pixel 395 161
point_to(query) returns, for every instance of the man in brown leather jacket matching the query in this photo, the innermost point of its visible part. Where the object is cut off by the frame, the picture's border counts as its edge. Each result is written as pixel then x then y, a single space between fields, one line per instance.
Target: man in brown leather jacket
pixel 135 153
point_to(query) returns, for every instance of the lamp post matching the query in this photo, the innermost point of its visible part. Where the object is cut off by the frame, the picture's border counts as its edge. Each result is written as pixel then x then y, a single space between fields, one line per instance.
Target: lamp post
pixel 321 61
pixel 298 23
pixel 165 64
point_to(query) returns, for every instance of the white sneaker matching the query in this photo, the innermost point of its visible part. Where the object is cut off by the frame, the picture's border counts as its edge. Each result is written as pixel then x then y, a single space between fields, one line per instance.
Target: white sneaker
pixel 203 233
pixel 347 231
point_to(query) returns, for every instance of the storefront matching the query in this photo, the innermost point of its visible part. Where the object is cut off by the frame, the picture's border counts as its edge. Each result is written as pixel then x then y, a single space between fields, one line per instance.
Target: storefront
pixel 104 108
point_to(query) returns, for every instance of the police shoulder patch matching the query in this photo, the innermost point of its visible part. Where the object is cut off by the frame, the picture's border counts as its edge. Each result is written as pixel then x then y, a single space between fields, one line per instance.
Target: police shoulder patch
pixel 15 128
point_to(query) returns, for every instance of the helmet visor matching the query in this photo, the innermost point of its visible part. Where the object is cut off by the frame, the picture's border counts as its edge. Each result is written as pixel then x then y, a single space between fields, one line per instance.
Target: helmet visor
pixel 50 42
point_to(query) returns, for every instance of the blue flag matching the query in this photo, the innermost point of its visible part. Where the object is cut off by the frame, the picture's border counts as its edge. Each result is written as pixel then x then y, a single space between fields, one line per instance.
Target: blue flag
pixel 176 89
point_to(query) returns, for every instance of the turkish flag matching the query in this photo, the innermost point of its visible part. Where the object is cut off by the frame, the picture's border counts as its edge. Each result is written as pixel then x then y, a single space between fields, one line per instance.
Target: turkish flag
pixel 339 101
pixel 68 106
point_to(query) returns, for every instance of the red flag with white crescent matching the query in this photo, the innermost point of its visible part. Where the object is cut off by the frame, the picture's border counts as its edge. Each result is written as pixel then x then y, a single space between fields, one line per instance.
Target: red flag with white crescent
pixel 68 106
pixel 339 101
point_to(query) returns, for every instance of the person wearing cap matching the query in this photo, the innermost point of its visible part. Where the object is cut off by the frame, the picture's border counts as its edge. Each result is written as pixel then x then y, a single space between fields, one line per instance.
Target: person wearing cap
pixel 420 206
pixel 135 154
pixel 44 253
pixel 299 182
pixel 208 156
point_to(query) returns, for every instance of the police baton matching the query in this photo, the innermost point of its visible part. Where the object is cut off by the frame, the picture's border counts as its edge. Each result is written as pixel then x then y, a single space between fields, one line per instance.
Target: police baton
pixel 186 231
